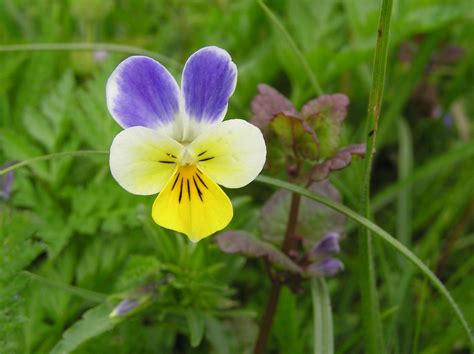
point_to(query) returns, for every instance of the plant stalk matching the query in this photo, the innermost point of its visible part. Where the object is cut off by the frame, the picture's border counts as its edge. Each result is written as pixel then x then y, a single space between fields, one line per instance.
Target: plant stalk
pixel 370 314
pixel 274 293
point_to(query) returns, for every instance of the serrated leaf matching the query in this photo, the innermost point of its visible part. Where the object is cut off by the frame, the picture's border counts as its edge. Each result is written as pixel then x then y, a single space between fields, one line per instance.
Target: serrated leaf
pixel 18 147
pixel 94 322
pixel 38 128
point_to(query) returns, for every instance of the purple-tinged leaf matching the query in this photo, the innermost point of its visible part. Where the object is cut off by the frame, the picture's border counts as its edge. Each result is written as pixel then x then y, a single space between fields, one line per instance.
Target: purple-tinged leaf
pixel 314 219
pixel 332 107
pixel 295 135
pixel 246 244
pixel 325 115
pixel 340 160
pixel 327 267
pixel 267 104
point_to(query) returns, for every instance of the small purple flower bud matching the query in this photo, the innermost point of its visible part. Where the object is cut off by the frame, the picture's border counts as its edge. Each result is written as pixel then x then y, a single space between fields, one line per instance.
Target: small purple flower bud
pixel 448 120
pixel 327 267
pixel 124 307
pixel 6 183
pixel 328 245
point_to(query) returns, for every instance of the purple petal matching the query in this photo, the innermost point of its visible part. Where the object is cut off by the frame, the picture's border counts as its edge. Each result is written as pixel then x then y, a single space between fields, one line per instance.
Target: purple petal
pixel 125 307
pixel 6 182
pixel 209 79
pixel 328 245
pixel 142 92
pixel 327 267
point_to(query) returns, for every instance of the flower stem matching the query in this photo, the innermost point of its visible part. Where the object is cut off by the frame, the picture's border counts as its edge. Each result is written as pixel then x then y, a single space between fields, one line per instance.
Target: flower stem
pixel 274 293
pixel 372 326
pixel 268 316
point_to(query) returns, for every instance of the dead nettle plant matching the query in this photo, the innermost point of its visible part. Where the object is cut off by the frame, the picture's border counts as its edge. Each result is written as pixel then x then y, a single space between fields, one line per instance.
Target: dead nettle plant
pixel 298 238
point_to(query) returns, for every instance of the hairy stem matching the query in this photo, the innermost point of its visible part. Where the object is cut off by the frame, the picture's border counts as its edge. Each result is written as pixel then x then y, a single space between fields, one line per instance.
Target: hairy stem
pixel 274 293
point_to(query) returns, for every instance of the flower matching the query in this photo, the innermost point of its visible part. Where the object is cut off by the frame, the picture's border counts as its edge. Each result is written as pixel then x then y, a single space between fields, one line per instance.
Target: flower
pixel 176 143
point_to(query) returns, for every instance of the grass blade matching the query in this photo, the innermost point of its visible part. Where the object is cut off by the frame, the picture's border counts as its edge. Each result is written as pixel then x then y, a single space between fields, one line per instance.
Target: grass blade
pixel 323 332
pixel 369 297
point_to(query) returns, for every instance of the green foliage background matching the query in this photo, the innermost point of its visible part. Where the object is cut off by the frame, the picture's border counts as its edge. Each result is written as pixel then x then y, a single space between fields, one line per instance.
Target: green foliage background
pixel 73 243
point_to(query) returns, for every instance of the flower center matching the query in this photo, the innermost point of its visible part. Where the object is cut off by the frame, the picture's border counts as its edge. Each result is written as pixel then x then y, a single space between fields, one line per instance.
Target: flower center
pixel 186 158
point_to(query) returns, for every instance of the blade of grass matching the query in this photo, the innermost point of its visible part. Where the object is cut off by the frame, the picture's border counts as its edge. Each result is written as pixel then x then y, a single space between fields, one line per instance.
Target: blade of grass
pixel 374 342
pixel 109 47
pixel 322 314
pixel 405 167
pixel 294 47
pixel 419 317
pixel 404 222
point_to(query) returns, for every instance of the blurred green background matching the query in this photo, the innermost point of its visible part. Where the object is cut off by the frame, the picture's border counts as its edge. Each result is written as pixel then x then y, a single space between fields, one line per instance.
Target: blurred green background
pixel 70 236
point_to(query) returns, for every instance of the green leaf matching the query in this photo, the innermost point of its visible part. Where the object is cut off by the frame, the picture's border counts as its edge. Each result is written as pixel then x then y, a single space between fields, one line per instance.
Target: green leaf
pixel 288 324
pixel 94 322
pixel 196 324
pixel 137 270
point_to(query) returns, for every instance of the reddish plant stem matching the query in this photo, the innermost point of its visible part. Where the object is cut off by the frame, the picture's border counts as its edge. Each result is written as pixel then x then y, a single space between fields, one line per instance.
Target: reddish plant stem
pixel 267 319
pixel 274 293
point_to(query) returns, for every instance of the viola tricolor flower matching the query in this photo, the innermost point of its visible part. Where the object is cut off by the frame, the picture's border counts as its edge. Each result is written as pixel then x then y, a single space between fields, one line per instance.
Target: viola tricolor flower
pixel 176 143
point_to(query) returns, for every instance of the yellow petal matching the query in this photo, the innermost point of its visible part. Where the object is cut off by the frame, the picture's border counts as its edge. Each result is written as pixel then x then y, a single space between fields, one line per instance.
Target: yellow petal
pixel 193 204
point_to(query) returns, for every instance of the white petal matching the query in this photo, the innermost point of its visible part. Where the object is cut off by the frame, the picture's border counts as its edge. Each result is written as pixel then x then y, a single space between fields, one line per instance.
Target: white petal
pixel 142 160
pixel 232 153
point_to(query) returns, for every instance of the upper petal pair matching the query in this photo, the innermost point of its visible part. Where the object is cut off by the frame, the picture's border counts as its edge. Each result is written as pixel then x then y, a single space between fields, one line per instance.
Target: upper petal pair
pixel 141 92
